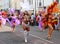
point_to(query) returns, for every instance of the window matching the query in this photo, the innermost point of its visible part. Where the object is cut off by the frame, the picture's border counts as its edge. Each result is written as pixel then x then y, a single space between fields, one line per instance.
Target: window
pixel 22 1
pixel 57 1
pixel 30 2
pixel 39 3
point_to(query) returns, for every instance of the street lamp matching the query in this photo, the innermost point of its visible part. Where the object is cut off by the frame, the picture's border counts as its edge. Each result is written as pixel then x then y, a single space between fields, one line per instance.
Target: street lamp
pixel 43 3
pixel 15 5
pixel 9 4
pixel 34 7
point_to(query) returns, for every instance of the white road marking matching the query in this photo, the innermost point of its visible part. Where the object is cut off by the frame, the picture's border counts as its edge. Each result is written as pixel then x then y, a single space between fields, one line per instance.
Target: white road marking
pixel 42 38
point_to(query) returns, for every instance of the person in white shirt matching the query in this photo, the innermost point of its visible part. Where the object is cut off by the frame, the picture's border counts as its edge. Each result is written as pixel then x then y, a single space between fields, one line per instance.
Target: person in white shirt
pixel 32 19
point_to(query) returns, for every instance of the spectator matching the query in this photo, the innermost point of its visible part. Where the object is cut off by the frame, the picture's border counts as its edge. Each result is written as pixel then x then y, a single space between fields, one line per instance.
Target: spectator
pixel 32 19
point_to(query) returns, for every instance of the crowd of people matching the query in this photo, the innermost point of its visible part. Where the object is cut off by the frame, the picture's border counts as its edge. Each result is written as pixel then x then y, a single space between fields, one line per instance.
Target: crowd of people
pixel 43 19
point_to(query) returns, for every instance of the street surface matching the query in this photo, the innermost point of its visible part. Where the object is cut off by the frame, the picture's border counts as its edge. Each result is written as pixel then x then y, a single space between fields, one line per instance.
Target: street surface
pixel 35 36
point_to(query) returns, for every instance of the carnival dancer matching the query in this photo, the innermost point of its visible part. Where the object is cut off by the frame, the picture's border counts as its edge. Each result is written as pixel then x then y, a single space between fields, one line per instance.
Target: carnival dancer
pixel 0 20
pixel 50 20
pixel 44 21
pixel 39 20
pixel 25 25
pixel 3 18
pixel 50 30
pixel 4 15
pixel 14 22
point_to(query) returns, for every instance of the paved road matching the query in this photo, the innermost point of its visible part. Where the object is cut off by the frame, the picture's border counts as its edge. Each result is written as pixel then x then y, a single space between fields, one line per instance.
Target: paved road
pixel 35 37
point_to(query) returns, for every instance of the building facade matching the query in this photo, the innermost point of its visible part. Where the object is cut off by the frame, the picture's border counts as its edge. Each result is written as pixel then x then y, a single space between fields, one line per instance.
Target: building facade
pixel 33 4
pixel 15 4
pixel 4 4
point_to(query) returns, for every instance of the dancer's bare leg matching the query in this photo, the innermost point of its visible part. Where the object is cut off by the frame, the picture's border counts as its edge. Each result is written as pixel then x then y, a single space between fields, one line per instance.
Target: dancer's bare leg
pixel 43 27
pixel 50 30
pixel 0 26
pixel 13 28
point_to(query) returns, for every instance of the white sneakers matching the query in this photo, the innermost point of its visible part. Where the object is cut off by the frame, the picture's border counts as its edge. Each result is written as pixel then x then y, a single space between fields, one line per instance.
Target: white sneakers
pixel 26 35
pixel 25 40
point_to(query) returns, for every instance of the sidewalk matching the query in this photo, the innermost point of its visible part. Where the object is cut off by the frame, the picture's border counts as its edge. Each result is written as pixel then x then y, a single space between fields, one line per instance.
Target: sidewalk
pixel 5 29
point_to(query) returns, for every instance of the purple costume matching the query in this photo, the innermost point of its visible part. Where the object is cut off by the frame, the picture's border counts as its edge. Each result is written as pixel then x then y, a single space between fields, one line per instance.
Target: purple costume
pixel 14 20
pixel 40 23
pixel 11 11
